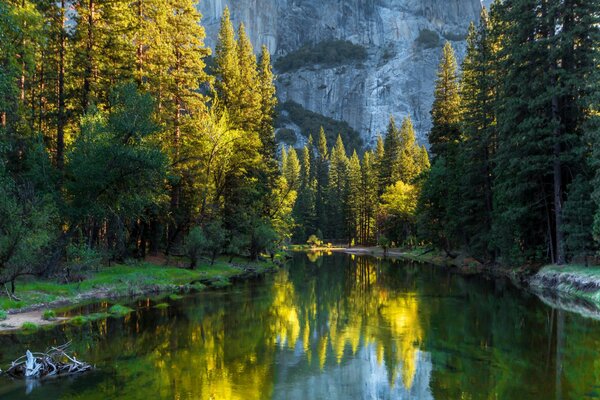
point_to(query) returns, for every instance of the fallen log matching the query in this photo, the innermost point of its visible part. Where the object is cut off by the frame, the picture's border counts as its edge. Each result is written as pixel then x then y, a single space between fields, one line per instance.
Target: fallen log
pixel 53 362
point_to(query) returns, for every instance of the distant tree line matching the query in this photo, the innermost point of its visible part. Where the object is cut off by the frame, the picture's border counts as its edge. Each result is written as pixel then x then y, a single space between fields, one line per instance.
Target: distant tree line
pixel 349 199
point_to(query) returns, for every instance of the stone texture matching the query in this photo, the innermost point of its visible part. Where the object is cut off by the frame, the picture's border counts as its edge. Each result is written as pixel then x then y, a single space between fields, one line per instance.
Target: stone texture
pixel 396 79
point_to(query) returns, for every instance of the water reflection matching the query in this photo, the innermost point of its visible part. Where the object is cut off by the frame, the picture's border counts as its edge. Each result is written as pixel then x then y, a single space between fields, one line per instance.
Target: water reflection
pixel 332 327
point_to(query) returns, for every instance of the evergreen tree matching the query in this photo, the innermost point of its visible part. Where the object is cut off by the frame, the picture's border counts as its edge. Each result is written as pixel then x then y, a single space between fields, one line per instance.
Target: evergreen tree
pixel 390 162
pixel 477 151
pixel 445 114
pixel 246 109
pixel 440 200
pixel 226 58
pixel 379 159
pixel 369 199
pixel 409 155
pixel 321 176
pixel 354 199
pixel 337 192
pixel 540 120
pixel 304 208
pixel 268 102
pixel 291 168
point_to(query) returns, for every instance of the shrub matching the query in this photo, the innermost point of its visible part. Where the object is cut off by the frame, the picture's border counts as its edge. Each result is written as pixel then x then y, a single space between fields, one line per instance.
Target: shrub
pixel 209 239
pixel 49 315
pixel 314 241
pixel 3 315
pixel 120 310
pixel 29 326
pixel 80 258
pixel 428 39
pixel 384 243
pixel 328 53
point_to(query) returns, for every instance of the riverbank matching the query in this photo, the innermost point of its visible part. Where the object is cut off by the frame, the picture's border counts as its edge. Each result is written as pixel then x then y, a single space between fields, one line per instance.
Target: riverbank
pixel 35 297
pixel 573 285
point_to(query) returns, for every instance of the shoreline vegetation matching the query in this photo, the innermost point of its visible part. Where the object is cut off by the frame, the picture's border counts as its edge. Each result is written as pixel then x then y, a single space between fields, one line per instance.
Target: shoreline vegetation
pixel 38 299
pixel 573 287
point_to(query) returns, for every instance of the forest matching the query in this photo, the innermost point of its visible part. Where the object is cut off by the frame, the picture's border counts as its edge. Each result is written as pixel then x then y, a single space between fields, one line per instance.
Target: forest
pixel 118 141
pixel 514 151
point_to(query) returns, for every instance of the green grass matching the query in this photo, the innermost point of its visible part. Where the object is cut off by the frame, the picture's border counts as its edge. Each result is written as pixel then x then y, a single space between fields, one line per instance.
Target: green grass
pixel 29 327
pixel 49 315
pixel 3 315
pixel 573 280
pixel 120 280
pixel 119 310
pixel 84 319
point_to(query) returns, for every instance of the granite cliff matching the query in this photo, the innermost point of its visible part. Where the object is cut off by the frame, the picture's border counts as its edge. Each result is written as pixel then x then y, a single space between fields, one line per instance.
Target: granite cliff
pixel 402 40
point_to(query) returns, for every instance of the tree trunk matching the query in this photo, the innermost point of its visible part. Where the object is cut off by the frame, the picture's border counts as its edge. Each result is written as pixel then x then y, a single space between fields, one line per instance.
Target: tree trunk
pixel 60 123
pixel 87 78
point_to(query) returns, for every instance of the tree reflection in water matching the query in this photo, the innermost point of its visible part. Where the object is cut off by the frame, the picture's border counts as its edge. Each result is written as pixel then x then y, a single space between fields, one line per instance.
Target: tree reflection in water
pixel 331 327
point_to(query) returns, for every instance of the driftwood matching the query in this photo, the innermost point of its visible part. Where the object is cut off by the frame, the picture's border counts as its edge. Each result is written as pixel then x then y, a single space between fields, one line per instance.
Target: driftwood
pixel 53 362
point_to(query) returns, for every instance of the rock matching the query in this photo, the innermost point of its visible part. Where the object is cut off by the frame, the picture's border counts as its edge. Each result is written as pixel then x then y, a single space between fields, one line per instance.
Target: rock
pixel 396 79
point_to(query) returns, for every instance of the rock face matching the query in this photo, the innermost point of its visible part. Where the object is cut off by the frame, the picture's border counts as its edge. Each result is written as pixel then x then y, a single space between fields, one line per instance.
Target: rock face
pixel 396 79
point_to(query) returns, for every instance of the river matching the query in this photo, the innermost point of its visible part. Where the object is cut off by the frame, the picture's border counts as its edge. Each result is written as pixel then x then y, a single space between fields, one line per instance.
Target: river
pixel 330 327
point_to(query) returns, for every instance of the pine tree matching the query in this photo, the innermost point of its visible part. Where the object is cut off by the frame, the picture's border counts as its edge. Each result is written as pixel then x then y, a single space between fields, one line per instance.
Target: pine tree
pixel 391 156
pixel 540 122
pixel 379 164
pixel 321 176
pixel 226 58
pixel 477 151
pixel 291 168
pixel 369 201
pixel 337 191
pixel 268 104
pixel 246 109
pixel 440 199
pixel 354 199
pixel 408 167
pixel 304 208
pixel 445 114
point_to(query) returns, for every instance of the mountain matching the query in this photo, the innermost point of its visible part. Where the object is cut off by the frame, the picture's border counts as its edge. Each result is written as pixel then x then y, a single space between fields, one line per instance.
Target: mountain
pixel 358 61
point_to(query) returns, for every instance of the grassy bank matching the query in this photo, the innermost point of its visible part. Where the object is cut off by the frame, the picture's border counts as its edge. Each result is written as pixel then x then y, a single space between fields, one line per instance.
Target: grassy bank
pixel 572 280
pixel 36 296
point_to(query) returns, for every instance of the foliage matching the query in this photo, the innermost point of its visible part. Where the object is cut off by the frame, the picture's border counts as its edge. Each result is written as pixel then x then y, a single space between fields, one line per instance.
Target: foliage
pixel 27 221
pixel 49 315
pixel 3 315
pixel 286 136
pixel 115 169
pixel 120 310
pixel 428 39
pixel 310 123
pixel 29 327
pixel 328 53
pixel 314 241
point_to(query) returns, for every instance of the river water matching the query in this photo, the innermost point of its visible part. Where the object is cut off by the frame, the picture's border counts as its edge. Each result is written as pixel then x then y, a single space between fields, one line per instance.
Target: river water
pixel 330 327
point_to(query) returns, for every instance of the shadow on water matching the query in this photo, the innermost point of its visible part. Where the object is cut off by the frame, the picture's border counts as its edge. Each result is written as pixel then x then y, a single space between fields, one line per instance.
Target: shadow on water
pixel 329 327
